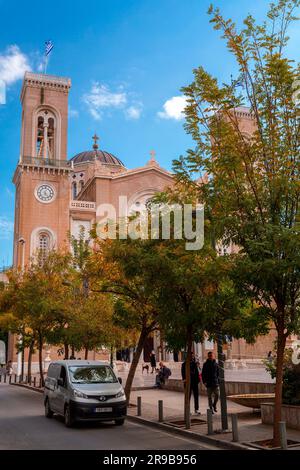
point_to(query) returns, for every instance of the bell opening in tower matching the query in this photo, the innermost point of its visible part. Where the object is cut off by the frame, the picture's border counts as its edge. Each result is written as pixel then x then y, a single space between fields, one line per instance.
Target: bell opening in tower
pixel 45 135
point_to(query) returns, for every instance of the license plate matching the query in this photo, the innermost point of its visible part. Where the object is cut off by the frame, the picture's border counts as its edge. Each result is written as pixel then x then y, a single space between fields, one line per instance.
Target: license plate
pixel 103 410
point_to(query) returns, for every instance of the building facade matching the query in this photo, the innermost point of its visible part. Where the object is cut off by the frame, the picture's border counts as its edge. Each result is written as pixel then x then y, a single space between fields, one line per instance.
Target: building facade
pixel 56 196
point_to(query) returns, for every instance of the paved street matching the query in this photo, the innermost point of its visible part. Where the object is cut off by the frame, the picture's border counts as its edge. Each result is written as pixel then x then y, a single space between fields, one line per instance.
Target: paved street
pixel 23 426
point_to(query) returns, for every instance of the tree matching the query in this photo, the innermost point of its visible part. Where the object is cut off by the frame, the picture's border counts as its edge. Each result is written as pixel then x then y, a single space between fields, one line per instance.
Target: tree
pixel 229 312
pixel 182 287
pixel 43 296
pixel 15 320
pixel 123 269
pixel 250 177
pixel 90 325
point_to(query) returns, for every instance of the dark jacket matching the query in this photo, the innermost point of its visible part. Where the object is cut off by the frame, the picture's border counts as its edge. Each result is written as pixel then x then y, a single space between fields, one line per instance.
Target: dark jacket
pixel 153 360
pixel 210 373
pixel 194 372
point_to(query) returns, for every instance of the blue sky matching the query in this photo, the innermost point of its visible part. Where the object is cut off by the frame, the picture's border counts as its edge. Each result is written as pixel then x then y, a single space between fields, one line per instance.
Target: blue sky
pixel 127 60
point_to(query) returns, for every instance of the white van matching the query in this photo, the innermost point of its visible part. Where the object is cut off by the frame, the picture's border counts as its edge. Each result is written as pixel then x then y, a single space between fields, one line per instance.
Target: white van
pixel 84 390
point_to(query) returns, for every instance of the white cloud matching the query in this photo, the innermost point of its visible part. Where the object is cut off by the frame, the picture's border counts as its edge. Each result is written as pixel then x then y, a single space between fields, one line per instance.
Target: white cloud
pixel 133 112
pixel 173 108
pixel 6 228
pixel 41 66
pixel 73 113
pixel 13 65
pixel 100 97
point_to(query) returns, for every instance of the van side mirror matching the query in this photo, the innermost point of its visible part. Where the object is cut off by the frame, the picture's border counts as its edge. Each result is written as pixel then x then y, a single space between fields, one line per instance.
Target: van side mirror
pixel 120 380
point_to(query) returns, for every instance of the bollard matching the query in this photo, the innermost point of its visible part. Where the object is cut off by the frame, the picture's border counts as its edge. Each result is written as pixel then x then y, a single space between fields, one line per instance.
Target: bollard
pixel 40 383
pixel 34 382
pixel 5 378
pixel 15 378
pixel 160 411
pixel 282 432
pixel 139 406
pixel 210 428
pixel 29 380
pixel 10 379
pixel 235 430
pixel 0 378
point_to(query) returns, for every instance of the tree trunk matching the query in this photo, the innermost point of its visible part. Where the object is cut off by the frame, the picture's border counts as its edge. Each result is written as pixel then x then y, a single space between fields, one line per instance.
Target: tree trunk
pixel 111 355
pixel 30 361
pixel 40 347
pixel 86 353
pixel 73 351
pixel 66 346
pixel 135 361
pixel 281 341
pixel 22 359
pixel 223 401
pixel 187 387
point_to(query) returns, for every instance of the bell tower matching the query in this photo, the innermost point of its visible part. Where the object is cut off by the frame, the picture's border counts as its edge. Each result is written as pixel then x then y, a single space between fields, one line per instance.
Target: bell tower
pixel 42 174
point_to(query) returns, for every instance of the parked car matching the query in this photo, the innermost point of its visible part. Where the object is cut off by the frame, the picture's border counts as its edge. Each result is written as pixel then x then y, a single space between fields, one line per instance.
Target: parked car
pixel 84 390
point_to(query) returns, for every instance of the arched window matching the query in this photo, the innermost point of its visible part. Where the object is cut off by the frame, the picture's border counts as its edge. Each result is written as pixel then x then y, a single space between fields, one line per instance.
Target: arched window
pixel 46 134
pixel 81 184
pixel 44 246
pixel 74 190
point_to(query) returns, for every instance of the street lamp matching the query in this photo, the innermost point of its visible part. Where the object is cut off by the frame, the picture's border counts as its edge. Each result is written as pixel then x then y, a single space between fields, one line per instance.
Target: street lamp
pixel 22 243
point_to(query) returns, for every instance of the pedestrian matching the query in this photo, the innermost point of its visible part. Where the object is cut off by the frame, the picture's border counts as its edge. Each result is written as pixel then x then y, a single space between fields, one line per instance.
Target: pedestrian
pixel 194 382
pixel 210 378
pixel 163 373
pixel 153 361
pixel 9 369
pixel 270 357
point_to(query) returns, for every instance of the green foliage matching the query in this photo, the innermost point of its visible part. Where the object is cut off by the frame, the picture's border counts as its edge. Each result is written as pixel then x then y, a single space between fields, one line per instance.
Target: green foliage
pixel 291 378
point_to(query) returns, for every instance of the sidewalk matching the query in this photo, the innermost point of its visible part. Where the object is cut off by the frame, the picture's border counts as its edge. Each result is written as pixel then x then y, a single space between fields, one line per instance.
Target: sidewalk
pixel 245 375
pixel 249 422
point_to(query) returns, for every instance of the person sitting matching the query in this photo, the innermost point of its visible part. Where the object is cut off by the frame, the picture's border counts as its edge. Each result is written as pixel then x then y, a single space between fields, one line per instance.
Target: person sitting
pixel 163 374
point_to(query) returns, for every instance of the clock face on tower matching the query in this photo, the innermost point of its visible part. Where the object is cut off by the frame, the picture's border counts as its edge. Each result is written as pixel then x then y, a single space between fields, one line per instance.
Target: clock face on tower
pixel 45 193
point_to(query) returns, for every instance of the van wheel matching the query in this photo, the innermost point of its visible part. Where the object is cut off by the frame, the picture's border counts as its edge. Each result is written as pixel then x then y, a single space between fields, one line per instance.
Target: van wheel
pixel 119 422
pixel 48 412
pixel 69 420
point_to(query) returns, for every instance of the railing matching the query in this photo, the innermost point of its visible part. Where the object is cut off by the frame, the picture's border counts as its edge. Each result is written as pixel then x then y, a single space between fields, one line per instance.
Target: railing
pixel 83 205
pixel 47 78
pixel 45 162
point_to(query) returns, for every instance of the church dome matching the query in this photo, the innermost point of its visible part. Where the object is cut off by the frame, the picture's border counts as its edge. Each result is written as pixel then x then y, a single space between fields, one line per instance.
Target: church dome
pixel 96 154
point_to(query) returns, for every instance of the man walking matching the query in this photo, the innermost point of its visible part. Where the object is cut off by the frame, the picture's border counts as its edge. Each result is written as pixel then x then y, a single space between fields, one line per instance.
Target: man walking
pixel 210 378
pixel 195 379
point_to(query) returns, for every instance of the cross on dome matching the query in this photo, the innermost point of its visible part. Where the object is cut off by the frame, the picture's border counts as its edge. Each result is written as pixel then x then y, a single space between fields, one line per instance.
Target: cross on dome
pixel 153 154
pixel 152 161
pixel 95 139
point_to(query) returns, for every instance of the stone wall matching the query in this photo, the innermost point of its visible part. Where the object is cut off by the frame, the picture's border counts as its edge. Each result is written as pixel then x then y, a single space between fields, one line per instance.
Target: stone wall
pixel 289 413
pixel 232 388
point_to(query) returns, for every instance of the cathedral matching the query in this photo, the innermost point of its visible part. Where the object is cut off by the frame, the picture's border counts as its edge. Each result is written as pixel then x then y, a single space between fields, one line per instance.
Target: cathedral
pixel 56 196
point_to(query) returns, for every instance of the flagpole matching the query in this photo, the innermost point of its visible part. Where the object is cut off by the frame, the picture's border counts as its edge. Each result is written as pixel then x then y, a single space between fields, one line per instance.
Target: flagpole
pixel 46 64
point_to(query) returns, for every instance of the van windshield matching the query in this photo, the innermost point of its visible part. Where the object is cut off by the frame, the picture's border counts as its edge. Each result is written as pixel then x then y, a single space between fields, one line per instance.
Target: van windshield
pixel 92 375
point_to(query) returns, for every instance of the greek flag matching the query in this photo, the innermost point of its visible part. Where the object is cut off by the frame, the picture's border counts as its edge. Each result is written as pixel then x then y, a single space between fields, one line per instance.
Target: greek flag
pixel 48 47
